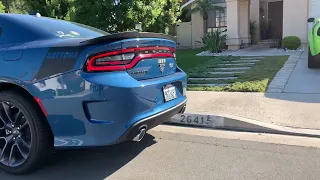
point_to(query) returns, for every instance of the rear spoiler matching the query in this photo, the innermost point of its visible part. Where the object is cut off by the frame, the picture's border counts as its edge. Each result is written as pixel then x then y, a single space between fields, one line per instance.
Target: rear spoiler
pixel 127 35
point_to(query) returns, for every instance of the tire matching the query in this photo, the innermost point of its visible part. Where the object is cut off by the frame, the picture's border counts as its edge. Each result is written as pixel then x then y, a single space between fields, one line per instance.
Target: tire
pixel 40 146
pixel 312 63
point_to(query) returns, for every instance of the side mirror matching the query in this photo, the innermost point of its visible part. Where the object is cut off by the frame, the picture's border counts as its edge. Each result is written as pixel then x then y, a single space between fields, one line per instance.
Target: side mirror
pixel 311 20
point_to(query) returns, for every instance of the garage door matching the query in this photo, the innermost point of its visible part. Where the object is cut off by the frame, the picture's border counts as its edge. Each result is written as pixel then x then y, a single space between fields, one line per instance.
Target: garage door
pixel 314 9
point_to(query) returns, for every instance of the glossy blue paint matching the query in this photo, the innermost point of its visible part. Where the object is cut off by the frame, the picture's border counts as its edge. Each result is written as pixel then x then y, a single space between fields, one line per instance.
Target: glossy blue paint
pixel 113 102
pixel 86 109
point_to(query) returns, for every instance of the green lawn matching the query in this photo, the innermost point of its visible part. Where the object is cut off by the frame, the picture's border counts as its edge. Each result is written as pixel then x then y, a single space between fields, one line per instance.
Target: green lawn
pixel 255 79
pixel 187 58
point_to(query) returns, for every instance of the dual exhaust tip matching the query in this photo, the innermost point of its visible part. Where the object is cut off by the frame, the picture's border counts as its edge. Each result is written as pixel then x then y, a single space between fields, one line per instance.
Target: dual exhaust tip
pixel 142 131
pixel 140 134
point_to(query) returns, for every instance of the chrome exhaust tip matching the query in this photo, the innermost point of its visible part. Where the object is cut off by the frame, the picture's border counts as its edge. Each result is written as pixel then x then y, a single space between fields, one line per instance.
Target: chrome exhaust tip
pixel 140 135
pixel 183 110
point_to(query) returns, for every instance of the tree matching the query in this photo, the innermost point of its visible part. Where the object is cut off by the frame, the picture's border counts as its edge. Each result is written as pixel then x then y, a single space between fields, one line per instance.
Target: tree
pixel 2 8
pixel 111 15
pixel 18 7
pixel 96 13
pixel 168 17
pixel 185 15
pixel 204 7
pixel 50 8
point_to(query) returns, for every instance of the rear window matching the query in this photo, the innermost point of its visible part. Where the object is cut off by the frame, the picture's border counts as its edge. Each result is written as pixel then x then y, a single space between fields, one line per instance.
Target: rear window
pixel 63 29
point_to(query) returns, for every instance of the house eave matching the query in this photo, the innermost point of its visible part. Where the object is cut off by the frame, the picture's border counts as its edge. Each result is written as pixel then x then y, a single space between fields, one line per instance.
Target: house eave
pixel 187 3
pixel 191 1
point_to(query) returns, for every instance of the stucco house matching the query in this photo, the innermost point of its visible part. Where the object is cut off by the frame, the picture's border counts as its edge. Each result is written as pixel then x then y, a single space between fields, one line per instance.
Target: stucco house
pixel 274 18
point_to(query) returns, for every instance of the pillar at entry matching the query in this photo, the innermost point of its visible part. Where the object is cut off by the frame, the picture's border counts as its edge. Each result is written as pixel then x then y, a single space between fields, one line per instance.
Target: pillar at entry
pixel 238 23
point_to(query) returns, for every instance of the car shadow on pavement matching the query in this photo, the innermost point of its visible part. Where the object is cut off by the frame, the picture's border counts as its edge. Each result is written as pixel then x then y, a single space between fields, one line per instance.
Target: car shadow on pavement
pixel 295 97
pixel 93 164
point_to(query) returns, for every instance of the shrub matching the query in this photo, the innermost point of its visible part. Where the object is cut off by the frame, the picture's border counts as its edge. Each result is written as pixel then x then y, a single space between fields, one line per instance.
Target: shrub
pixel 291 42
pixel 214 41
pixel 253 31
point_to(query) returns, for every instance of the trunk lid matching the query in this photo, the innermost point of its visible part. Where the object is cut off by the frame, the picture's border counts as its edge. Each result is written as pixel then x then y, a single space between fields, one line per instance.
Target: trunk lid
pixel 144 55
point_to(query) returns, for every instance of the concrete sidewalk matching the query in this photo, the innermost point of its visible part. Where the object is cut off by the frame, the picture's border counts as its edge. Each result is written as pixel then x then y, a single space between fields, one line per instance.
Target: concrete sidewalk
pixel 284 109
pixel 303 79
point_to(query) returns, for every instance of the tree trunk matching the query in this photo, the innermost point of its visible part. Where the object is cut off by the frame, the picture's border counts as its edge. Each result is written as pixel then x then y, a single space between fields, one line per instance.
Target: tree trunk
pixel 205 27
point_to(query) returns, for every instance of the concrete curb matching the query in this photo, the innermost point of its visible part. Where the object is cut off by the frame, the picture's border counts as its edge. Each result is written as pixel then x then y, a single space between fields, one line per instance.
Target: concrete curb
pixel 229 122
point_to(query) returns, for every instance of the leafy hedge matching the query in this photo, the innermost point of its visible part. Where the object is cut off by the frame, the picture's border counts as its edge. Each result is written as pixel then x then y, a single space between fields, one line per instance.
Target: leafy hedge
pixel 291 42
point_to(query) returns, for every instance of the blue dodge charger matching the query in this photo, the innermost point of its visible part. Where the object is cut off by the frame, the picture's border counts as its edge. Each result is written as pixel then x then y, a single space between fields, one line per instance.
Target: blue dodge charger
pixel 66 85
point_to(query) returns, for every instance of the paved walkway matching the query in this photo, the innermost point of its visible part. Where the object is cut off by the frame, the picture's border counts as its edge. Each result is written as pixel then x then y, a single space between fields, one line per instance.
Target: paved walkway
pixel 226 70
pixel 303 79
pixel 285 109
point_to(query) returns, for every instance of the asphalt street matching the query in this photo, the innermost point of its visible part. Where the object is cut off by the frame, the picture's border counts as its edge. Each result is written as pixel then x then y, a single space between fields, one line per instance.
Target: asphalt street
pixel 166 155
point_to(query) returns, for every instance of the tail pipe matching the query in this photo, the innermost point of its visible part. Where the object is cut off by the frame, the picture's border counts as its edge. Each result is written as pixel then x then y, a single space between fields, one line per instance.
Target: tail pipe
pixel 183 109
pixel 140 134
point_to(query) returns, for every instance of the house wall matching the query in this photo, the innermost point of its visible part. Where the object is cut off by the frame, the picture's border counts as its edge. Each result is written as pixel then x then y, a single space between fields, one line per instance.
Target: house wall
pixel 314 6
pixel 184 35
pixel 295 15
pixel 196 29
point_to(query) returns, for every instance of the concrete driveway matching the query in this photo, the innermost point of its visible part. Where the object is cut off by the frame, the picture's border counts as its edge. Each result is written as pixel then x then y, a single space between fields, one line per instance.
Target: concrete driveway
pixel 303 80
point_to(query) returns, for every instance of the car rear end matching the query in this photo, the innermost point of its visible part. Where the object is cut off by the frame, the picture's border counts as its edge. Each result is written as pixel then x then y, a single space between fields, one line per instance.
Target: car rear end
pixel 148 87
pixel 126 84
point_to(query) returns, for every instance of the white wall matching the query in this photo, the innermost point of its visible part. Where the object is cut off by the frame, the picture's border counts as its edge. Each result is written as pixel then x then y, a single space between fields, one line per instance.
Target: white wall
pixel 184 36
pixel 314 10
pixel 295 16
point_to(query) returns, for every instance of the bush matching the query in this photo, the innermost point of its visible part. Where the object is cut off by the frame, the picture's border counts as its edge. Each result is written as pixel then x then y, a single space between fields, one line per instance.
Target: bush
pixel 214 41
pixel 291 42
pixel 253 31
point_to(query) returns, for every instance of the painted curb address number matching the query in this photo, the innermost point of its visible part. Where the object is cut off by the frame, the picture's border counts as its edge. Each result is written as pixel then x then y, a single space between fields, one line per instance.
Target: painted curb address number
pixel 198 120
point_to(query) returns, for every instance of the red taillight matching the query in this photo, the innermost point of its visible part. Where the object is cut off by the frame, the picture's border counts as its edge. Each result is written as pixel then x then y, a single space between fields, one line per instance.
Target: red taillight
pixel 126 59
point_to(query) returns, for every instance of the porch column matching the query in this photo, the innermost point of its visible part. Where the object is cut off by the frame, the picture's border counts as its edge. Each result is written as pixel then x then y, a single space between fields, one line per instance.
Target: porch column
pixel 255 16
pixel 238 23
pixel 244 21
pixel 233 27
pixel 197 30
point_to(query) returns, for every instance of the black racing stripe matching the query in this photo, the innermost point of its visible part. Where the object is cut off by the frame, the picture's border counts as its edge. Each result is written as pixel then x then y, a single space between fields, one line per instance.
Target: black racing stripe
pixel 58 60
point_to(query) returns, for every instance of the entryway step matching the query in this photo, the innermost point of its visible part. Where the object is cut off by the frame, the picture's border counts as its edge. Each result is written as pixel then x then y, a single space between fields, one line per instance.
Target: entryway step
pixel 209 79
pixel 237 64
pixel 208 85
pixel 232 69
pixel 236 72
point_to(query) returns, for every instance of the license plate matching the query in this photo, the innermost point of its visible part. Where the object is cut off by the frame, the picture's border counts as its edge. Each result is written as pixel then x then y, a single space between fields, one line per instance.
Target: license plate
pixel 169 93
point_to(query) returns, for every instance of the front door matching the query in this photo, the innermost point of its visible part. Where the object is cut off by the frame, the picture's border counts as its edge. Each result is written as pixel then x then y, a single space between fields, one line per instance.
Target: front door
pixel 275 19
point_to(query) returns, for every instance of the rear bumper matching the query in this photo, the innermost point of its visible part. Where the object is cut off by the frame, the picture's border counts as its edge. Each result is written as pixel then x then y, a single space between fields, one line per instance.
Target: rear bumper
pixel 106 108
pixel 153 121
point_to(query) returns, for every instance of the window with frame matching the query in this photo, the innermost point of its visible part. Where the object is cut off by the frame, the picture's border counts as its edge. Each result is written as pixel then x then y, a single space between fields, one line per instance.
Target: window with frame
pixel 221 17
